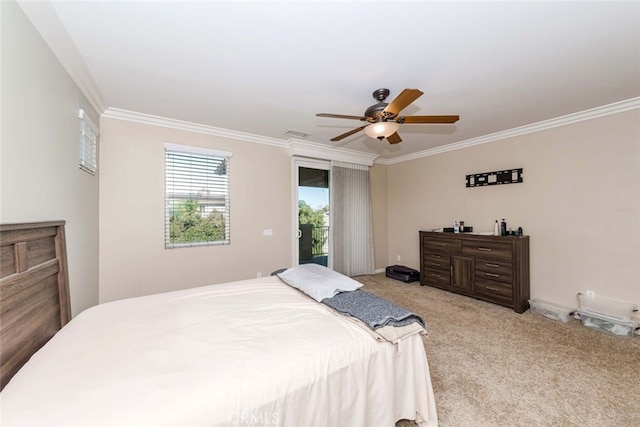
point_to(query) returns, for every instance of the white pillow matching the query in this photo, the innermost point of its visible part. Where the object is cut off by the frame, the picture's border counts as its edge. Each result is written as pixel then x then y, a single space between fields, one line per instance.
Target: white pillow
pixel 317 281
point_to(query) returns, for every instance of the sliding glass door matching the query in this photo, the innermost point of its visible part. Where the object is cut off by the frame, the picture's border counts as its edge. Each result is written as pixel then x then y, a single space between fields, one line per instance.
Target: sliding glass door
pixel 313 213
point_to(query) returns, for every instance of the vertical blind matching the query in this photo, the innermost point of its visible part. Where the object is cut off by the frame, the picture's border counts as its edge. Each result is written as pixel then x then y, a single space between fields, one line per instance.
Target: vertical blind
pixel 352 226
pixel 88 144
pixel 197 199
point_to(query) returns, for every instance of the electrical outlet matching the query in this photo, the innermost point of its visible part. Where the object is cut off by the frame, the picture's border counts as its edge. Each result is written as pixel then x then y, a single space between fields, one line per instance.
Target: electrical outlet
pixel 259 275
pixel 399 258
pixel 591 294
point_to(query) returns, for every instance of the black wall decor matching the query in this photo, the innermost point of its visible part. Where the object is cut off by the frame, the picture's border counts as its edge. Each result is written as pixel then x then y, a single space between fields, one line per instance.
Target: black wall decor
pixel 509 176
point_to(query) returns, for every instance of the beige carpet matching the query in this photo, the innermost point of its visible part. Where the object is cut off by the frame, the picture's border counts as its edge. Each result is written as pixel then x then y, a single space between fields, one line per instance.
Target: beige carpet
pixel 493 367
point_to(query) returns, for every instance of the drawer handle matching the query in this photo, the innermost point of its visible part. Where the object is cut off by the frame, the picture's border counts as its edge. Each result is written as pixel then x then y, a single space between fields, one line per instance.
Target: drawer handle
pixel 492 265
pixel 439 244
pixel 493 275
pixel 435 264
pixel 491 288
pixel 435 275
pixel 485 249
pixel 436 256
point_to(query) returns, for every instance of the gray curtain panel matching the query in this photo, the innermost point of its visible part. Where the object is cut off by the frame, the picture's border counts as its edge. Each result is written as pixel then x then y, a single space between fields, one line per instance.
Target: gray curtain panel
pixel 352 227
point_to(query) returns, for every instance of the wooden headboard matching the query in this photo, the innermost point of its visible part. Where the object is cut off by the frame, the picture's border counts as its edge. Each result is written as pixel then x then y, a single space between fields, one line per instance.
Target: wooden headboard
pixel 34 291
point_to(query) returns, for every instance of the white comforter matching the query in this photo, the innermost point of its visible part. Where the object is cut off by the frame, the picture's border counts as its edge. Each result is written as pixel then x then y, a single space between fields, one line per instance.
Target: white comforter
pixel 254 352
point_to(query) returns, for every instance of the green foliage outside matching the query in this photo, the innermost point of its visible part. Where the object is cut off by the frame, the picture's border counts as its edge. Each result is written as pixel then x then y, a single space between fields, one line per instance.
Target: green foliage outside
pixel 187 225
pixel 307 215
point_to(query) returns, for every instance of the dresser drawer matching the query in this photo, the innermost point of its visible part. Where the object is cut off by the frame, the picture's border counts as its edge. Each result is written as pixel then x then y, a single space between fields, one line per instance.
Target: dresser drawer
pixel 494 270
pixel 445 246
pixel 437 261
pixel 488 249
pixel 436 277
pixel 498 291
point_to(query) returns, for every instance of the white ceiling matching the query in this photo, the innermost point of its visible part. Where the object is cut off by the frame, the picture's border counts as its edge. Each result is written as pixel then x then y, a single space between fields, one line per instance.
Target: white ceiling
pixel 268 67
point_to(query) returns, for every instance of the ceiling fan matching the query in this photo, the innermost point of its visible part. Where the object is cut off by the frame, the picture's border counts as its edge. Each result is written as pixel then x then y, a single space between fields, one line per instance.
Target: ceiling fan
pixel 382 118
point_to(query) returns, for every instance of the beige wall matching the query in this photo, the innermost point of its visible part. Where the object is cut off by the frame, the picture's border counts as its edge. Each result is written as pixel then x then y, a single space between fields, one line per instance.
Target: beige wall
pixel 133 260
pixel 580 203
pixel 39 177
pixel 378 177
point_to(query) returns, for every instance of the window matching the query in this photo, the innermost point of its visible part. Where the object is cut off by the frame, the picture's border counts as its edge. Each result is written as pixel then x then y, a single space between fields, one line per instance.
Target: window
pixel 88 143
pixel 196 196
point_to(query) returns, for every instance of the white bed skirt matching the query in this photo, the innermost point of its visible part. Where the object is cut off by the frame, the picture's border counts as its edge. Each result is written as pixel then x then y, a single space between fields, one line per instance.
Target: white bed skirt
pixel 248 353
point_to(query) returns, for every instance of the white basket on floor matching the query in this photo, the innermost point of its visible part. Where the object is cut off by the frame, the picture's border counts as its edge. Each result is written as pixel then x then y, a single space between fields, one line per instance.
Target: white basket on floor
pixel 607 314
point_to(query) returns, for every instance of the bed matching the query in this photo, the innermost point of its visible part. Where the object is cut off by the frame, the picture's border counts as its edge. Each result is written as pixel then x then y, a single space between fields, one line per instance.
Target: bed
pixel 253 352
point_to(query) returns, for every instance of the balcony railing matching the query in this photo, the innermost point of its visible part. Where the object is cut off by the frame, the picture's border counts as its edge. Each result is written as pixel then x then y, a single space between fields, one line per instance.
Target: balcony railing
pixel 320 238
pixel 313 243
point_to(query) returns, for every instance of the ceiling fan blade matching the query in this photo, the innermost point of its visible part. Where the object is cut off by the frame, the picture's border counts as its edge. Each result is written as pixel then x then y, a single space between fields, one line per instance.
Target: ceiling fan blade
pixel 340 116
pixel 394 138
pixel 428 119
pixel 405 98
pixel 351 132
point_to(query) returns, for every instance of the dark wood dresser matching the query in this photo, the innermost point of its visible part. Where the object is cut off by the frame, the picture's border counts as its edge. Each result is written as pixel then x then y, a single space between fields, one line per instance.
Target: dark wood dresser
pixel 490 268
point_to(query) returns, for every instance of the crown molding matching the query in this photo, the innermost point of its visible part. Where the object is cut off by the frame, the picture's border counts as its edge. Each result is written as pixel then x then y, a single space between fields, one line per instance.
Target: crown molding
pixel 296 147
pixel 45 20
pixel 148 119
pixel 321 151
pixel 593 113
pixel 47 23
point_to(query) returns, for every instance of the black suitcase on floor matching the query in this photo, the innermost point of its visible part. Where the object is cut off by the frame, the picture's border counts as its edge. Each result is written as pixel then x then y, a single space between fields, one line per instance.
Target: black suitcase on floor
pixel 402 273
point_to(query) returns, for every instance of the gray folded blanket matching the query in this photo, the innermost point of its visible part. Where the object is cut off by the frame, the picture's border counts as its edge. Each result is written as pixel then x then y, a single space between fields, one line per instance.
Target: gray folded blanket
pixel 376 312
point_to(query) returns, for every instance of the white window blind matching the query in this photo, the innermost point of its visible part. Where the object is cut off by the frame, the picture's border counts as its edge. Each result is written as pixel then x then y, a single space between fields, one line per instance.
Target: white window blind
pixel 88 143
pixel 196 196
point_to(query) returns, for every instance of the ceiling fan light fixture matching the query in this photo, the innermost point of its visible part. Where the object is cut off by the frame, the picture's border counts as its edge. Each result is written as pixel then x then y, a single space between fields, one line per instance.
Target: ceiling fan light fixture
pixel 381 130
pixel 382 120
